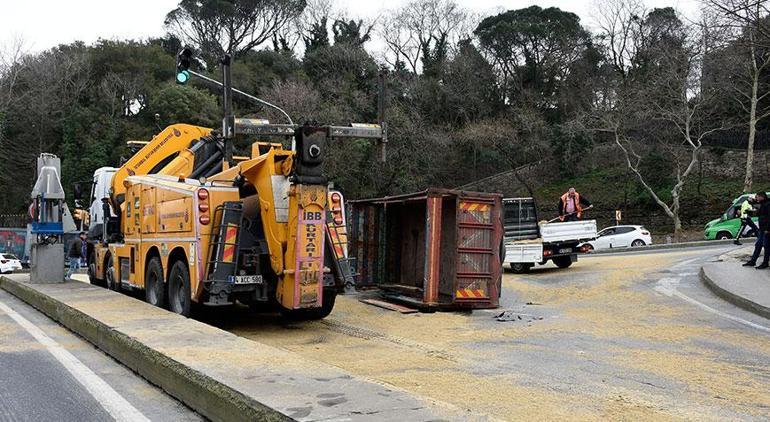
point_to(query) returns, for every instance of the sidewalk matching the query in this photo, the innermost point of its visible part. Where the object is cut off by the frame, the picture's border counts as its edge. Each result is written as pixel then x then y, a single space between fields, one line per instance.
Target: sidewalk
pixel 744 287
pixel 219 375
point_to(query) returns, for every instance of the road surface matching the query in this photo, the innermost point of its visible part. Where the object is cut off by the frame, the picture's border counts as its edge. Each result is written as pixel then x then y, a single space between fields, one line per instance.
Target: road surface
pixel 621 336
pixel 49 374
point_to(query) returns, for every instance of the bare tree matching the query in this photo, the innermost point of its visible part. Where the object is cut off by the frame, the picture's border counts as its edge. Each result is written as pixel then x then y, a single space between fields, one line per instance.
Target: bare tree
pixel 748 58
pixel 11 66
pixel 232 27
pixel 619 23
pixel 663 110
pixel 421 26
pixel 299 28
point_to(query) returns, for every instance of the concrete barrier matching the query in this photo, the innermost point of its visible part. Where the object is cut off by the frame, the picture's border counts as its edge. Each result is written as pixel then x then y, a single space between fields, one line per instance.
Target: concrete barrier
pixel 219 375
pixel 681 245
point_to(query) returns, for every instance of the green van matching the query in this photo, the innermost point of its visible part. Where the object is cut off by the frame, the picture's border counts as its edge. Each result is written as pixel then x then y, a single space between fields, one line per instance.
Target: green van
pixel 727 226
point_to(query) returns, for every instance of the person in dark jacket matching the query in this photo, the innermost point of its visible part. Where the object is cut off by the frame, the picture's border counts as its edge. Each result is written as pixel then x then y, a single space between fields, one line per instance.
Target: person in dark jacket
pixel 763 234
pixel 75 254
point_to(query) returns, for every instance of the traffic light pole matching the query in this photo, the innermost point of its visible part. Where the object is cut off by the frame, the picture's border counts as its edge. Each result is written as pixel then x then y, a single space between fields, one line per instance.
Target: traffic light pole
pixel 243 94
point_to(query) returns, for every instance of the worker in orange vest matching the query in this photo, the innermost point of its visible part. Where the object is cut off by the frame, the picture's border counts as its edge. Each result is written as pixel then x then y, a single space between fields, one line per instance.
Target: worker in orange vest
pixel 571 206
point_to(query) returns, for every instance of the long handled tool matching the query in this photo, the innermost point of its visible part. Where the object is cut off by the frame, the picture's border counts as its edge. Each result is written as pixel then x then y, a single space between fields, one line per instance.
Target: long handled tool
pixel 572 213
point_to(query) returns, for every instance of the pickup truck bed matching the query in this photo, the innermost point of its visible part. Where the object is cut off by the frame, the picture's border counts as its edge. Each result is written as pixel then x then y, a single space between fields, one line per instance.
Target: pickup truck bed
pixel 577 231
pixel 528 242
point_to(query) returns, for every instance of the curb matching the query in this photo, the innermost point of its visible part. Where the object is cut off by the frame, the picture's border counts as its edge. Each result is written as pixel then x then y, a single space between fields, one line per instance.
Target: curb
pixel 733 298
pixel 201 393
pixel 682 245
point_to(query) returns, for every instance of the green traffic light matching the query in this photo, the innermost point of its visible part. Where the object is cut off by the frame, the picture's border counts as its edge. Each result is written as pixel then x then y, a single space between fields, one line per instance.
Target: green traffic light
pixel 182 77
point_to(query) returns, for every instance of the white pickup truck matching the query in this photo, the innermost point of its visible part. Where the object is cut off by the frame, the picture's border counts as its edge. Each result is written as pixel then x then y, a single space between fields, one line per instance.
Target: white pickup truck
pixel 529 242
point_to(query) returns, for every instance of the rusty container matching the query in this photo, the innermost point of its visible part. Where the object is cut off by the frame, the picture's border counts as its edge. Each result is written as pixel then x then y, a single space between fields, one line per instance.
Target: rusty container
pixel 438 248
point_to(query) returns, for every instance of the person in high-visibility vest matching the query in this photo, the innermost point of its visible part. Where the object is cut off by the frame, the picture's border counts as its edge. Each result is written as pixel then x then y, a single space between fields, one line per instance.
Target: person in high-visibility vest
pixel 744 214
pixel 571 206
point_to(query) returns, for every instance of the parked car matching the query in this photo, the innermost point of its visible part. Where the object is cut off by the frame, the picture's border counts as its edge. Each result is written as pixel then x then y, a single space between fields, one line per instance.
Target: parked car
pixel 9 263
pixel 727 226
pixel 620 237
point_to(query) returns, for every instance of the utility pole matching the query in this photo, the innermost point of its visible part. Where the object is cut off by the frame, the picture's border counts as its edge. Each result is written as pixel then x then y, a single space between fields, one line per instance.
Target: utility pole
pixel 381 101
pixel 228 121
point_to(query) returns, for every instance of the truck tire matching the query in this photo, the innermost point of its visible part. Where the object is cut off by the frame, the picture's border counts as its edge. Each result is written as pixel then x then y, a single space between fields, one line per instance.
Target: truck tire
pixel 179 296
pixel 563 261
pixel 327 304
pixel 520 267
pixel 154 284
pixel 92 274
pixel 109 275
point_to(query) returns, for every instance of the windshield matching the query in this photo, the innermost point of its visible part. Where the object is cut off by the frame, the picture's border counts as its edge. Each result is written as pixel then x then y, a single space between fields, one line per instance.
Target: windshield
pixel 9 256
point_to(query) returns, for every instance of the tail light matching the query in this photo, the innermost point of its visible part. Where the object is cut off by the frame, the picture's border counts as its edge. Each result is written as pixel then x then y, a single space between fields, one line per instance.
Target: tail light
pixel 335 206
pixel 547 252
pixel 646 233
pixel 585 249
pixel 203 207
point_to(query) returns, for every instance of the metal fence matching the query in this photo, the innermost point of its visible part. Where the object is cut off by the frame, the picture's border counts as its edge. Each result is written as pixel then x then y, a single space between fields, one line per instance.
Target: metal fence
pixel 14 220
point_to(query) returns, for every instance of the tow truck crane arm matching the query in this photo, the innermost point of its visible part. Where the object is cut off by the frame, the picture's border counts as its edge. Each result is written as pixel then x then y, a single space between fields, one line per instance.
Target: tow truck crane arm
pixel 167 153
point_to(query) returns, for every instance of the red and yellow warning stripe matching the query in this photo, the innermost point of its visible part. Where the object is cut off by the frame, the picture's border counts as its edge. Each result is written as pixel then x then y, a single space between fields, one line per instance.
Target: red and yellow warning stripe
pixel 474 206
pixel 231 236
pixel 470 294
pixel 339 239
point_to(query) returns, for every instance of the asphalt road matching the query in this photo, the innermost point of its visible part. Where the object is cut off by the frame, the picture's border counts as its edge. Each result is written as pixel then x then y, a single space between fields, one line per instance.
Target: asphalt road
pixel 49 374
pixel 622 337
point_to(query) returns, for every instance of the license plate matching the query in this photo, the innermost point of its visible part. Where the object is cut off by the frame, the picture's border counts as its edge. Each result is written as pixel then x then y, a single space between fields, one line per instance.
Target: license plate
pixel 246 279
pixel 565 250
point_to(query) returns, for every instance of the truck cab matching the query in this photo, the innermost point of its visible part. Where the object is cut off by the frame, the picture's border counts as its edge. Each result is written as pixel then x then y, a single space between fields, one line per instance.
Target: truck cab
pixel 100 190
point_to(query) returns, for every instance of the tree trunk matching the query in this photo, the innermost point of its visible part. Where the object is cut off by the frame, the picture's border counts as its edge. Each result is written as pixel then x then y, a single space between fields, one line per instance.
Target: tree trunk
pixel 749 180
pixel 677 227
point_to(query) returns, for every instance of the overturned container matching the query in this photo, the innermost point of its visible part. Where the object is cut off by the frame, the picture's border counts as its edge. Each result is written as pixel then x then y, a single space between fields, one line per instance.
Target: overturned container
pixel 437 249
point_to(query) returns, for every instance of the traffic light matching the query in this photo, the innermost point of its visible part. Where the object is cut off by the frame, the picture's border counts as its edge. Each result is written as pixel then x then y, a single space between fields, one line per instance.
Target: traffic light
pixel 183 60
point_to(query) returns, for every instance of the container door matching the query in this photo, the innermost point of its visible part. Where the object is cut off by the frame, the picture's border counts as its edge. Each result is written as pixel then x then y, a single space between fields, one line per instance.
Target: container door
pixel 476 250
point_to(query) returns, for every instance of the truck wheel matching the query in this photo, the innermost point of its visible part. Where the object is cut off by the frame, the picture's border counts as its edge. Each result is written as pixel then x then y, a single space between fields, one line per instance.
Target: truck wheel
pixel 109 274
pixel 92 274
pixel 562 261
pixel 179 300
pixel 520 268
pixel 154 285
pixel 327 304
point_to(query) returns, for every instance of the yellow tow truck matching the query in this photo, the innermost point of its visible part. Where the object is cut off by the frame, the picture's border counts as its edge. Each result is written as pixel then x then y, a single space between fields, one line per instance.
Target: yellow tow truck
pixel 187 224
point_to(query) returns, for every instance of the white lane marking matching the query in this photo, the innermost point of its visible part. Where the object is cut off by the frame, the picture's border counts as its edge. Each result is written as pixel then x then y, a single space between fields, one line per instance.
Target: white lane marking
pixel 685 262
pixel 667 286
pixel 118 407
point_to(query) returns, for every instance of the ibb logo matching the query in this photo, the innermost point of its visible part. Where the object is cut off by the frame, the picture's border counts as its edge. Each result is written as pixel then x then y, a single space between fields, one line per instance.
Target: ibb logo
pixel 312 216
